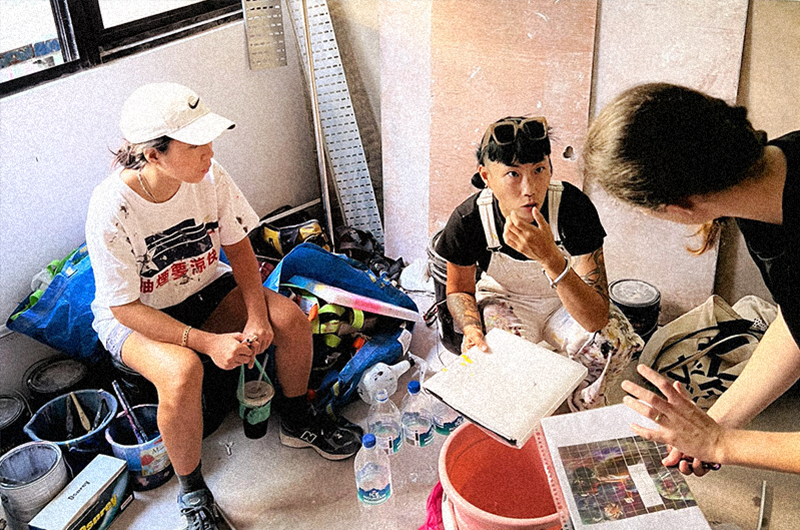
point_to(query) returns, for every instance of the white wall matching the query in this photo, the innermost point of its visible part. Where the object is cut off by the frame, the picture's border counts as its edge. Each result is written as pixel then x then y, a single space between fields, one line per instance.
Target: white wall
pixel 55 141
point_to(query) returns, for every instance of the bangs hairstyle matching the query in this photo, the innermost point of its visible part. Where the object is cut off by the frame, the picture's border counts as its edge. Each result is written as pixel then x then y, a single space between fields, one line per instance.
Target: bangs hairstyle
pixel 523 150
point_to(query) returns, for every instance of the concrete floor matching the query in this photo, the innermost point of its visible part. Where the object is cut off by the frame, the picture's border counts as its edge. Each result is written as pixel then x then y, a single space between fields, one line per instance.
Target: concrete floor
pixel 263 485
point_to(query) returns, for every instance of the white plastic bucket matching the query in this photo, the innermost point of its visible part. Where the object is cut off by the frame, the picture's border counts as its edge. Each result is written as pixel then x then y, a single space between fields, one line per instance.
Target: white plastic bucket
pixel 30 476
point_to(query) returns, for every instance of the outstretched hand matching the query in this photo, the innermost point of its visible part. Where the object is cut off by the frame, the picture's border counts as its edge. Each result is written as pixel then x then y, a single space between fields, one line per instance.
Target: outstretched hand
pixel 693 435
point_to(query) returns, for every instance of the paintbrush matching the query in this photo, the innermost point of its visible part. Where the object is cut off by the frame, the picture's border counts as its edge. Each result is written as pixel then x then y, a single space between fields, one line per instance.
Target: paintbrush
pixel 70 421
pixel 81 414
pixel 99 416
pixel 141 437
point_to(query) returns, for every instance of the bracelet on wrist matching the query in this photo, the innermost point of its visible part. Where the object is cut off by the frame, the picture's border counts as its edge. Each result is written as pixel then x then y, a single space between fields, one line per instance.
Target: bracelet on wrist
pixel 185 338
pixel 554 282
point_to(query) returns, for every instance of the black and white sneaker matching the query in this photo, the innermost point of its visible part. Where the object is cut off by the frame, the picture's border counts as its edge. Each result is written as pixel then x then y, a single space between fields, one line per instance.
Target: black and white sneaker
pixel 322 434
pixel 200 512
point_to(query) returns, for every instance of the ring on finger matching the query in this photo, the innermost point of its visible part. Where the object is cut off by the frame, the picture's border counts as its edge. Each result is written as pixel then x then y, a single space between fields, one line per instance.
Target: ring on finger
pixel 657 418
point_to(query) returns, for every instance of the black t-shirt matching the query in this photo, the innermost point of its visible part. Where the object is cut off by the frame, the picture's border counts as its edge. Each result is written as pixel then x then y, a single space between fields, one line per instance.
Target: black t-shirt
pixel 776 248
pixel 463 241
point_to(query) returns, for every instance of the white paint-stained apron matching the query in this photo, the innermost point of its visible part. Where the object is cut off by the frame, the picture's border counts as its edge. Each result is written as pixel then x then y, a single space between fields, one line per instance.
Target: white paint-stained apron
pixel 516 296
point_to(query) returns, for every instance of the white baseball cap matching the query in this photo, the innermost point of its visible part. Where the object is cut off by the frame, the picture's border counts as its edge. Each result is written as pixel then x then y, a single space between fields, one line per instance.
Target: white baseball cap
pixel 173 110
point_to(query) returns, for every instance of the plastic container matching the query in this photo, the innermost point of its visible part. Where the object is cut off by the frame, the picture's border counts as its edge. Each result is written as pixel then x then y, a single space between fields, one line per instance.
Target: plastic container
pixel 380 375
pixel 148 463
pixel 14 414
pixel 445 419
pixel 383 420
pixel 640 302
pixel 493 486
pixel 55 376
pixel 437 268
pixel 50 424
pixel 417 463
pixel 373 474
pixel 31 475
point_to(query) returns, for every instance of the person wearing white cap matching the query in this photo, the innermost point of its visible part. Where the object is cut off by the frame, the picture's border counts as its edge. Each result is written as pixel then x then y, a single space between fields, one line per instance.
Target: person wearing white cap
pixel 164 301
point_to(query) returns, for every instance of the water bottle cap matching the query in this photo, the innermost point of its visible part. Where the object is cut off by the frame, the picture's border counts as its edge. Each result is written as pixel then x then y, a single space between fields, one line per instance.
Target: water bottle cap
pixel 413 386
pixel 368 440
pixel 381 395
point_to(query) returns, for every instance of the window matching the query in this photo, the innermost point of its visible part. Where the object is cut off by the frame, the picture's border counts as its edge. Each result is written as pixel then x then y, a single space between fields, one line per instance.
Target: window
pixel 44 39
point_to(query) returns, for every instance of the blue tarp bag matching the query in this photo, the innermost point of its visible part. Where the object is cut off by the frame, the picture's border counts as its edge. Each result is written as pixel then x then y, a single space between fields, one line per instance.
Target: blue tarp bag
pixel 311 261
pixel 60 316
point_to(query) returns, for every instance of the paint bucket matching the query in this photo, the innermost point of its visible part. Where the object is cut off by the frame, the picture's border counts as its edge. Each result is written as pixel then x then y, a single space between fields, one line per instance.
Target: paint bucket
pixel 148 463
pixel 492 486
pixel 14 414
pixel 31 475
pixel 55 376
pixel 640 302
pixel 50 424
pixel 437 268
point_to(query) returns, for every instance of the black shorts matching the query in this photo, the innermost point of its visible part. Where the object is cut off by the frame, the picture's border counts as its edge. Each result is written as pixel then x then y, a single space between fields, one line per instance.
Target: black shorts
pixel 194 311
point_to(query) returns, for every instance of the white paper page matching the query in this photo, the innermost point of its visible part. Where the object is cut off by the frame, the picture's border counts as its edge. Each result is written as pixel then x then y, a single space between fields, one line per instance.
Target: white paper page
pixel 616 477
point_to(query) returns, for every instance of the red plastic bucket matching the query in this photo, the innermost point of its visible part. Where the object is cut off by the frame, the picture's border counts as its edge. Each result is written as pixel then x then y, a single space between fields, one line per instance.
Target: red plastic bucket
pixel 493 486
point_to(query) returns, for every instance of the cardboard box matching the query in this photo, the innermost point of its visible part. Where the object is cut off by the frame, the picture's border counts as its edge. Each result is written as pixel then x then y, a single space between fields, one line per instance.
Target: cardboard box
pixel 91 501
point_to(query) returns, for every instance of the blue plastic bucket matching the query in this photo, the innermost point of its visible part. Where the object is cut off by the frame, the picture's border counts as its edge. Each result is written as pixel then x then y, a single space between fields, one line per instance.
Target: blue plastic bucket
pixel 148 463
pixel 49 424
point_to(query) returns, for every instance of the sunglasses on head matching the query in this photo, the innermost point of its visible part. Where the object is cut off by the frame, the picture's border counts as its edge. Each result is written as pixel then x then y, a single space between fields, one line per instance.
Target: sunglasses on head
pixel 505 132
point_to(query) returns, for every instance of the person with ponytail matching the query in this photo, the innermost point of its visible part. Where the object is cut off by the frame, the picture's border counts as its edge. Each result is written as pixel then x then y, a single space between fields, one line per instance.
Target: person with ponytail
pixel 168 308
pixel 539 243
pixel 684 156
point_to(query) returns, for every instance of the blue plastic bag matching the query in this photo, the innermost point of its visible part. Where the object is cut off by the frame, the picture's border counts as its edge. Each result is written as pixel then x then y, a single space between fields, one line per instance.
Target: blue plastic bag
pixel 311 261
pixel 61 315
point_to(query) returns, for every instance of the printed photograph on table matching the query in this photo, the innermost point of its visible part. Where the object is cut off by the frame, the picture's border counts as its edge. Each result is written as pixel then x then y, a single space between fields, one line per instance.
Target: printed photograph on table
pixel 622 478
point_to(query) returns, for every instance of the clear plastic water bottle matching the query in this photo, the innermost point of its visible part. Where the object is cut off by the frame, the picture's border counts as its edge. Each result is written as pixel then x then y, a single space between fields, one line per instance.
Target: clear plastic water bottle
pixel 373 475
pixel 383 420
pixel 445 419
pixel 419 458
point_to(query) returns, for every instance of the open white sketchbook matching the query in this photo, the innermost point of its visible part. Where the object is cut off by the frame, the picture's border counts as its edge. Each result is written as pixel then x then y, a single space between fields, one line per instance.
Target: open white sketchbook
pixel 508 390
pixel 614 480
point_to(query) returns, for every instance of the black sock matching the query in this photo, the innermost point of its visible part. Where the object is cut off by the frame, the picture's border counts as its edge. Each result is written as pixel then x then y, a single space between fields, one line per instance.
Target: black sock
pixel 193 481
pixel 296 410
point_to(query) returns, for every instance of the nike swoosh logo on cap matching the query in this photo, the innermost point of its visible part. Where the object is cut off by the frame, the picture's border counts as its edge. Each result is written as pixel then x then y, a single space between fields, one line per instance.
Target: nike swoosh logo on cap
pixel 197 101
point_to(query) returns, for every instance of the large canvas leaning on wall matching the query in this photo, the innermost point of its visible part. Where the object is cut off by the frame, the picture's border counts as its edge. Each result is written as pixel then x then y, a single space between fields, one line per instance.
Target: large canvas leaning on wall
pixel 449 68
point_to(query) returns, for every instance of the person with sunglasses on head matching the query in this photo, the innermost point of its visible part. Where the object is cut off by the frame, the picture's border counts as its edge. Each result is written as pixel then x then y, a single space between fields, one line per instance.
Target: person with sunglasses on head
pixel 539 245
pixel 167 307
pixel 681 155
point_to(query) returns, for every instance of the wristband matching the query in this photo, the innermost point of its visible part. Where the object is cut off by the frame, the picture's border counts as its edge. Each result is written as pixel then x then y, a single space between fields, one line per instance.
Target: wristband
pixel 185 339
pixel 554 283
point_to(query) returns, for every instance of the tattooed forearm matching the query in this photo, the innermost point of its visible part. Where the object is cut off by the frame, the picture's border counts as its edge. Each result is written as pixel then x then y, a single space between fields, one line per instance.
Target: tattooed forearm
pixel 596 278
pixel 464 309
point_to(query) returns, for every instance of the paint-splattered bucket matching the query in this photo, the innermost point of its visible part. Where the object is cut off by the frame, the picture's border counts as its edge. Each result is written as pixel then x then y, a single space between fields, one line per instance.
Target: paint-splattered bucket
pixel 51 424
pixel 148 463
pixel 14 414
pixel 30 476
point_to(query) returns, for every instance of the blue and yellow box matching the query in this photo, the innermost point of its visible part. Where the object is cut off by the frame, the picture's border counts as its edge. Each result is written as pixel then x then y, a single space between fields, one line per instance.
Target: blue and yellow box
pixel 91 501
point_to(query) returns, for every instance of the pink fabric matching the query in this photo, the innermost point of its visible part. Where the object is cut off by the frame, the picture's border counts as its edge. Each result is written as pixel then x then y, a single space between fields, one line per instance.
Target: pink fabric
pixel 434 507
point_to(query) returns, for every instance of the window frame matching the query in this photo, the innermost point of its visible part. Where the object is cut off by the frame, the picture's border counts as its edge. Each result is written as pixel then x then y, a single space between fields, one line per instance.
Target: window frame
pixel 86 43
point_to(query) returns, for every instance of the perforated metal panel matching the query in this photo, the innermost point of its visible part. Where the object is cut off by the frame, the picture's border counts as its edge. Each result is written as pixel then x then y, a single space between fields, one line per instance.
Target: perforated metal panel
pixel 339 127
pixel 266 42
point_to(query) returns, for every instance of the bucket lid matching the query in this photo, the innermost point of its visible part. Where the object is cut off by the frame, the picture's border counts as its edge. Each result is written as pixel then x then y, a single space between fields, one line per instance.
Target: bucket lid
pixel 55 376
pixel 11 407
pixel 634 293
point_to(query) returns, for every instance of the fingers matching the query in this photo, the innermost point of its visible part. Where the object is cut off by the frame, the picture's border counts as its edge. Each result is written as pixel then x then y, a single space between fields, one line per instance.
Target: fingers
pixel 673 458
pixel 539 218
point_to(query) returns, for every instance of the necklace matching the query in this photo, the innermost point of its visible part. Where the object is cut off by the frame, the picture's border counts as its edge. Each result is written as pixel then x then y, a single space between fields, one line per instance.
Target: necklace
pixel 145 187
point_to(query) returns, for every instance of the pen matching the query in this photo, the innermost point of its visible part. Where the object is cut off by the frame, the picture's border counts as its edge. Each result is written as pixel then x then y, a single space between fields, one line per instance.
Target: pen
pixel 708 466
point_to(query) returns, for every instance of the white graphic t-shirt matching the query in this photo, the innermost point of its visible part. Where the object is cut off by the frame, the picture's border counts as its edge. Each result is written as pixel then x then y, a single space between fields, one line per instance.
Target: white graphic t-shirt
pixel 161 253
